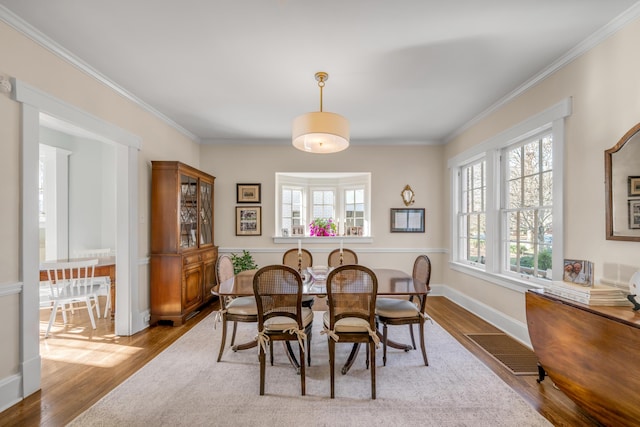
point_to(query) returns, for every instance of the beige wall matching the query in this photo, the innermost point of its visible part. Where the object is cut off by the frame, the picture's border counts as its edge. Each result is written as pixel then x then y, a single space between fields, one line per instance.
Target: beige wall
pixel 604 86
pixel 421 167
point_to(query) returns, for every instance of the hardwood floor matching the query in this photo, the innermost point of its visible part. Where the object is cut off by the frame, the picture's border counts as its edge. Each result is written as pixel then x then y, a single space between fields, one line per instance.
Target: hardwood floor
pixel 80 365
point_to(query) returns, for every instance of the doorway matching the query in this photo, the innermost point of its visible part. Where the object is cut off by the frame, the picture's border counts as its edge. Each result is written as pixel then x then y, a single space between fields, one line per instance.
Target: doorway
pixel 34 106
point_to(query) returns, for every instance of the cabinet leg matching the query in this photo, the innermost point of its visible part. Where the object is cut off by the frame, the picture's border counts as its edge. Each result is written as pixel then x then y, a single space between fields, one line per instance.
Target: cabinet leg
pixel 541 373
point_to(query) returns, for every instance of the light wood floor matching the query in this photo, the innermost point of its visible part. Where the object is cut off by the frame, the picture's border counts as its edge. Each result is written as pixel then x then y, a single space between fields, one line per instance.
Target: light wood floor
pixel 80 365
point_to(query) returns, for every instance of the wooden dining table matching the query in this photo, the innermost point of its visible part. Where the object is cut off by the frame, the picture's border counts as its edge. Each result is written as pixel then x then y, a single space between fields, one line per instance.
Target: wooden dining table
pixel 106 267
pixel 391 283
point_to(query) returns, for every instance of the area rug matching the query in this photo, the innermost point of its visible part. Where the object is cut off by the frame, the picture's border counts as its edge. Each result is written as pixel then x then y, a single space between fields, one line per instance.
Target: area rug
pixel 184 385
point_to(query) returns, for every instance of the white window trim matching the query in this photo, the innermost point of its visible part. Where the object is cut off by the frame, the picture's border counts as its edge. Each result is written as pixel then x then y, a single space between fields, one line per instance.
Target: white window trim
pixel 336 182
pixel 553 119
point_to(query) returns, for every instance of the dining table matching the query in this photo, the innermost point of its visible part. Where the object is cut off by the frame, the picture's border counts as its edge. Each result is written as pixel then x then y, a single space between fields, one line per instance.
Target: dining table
pixel 391 283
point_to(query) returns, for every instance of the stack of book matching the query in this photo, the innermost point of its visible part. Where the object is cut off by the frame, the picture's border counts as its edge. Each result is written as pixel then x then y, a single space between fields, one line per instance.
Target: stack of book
pixel 597 294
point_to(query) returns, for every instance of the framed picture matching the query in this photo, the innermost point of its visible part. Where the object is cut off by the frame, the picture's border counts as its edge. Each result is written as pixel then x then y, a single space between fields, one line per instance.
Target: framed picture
pixel 634 214
pixel 248 193
pixel 578 271
pixel 248 221
pixel 297 230
pixel 634 185
pixel 407 220
pixel 353 231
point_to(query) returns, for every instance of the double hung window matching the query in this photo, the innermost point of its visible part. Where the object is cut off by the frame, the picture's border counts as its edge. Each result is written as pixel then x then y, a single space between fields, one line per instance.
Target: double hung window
pixel 507 191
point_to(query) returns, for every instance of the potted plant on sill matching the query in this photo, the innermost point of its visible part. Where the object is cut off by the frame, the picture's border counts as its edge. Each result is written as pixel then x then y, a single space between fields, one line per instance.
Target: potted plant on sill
pixel 322 227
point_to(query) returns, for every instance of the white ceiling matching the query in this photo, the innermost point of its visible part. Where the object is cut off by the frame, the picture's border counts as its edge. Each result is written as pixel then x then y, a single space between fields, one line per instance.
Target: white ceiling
pixel 402 72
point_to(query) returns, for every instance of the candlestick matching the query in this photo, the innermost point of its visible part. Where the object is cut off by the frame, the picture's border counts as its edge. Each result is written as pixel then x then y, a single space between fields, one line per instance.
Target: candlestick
pixel 299 246
pixel 341 245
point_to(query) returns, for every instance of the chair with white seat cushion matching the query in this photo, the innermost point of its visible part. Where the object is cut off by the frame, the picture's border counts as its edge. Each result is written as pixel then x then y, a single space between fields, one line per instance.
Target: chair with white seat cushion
pixel 69 283
pixel 233 309
pixel 393 312
pixel 351 297
pixel 104 282
pixel 281 317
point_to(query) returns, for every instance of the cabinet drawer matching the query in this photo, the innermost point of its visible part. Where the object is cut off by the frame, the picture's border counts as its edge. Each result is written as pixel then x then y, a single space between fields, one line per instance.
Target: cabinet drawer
pixel 190 259
pixel 208 256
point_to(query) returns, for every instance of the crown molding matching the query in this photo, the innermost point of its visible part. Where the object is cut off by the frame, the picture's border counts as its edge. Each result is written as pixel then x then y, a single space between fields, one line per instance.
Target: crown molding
pixel 31 32
pixel 583 47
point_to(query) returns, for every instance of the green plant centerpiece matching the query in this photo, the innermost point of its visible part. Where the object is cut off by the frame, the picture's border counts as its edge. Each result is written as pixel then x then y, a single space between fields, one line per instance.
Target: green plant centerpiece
pixel 243 262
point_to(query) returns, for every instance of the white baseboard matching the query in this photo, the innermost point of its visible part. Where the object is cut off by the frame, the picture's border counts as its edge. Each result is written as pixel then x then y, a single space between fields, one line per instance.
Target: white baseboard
pixel 10 391
pixel 508 325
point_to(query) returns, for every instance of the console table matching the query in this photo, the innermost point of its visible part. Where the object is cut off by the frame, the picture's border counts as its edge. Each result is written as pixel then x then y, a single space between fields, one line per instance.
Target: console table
pixel 591 353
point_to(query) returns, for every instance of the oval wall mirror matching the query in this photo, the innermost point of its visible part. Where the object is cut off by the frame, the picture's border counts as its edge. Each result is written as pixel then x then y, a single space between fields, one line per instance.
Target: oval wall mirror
pixel 407 195
pixel 622 187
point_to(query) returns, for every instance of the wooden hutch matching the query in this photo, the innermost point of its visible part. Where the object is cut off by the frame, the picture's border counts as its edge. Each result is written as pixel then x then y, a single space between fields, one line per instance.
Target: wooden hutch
pixel 183 254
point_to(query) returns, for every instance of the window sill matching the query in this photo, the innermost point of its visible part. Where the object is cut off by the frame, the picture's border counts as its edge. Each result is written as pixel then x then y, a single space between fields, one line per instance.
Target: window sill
pixel 512 283
pixel 333 240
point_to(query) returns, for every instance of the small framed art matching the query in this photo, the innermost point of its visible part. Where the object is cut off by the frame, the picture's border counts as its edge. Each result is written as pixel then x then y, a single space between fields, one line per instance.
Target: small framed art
pixel 407 220
pixel 248 221
pixel 634 214
pixel 248 193
pixel 634 186
pixel 297 230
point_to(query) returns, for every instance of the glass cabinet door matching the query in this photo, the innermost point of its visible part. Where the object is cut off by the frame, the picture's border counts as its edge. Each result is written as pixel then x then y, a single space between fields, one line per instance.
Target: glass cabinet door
pixel 206 213
pixel 188 211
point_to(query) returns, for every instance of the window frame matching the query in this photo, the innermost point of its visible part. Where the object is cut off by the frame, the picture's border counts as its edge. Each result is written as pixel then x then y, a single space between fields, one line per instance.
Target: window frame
pixel 463 214
pixel 338 183
pixel 551 119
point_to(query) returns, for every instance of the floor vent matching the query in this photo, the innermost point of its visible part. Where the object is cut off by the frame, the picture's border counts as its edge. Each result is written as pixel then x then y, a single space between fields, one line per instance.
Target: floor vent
pixel 509 352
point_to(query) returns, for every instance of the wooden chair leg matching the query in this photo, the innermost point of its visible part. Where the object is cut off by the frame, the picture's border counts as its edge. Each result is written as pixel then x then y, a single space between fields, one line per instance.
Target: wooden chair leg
pixel 366 362
pixel 271 351
pixel 372 349
pixel 262 358
pixel 302 372
pixel 384 345
pixel 309 348
pixel 332 363
pixel 424 351
pixel 413 340
pixel 233 334
pixel 223 339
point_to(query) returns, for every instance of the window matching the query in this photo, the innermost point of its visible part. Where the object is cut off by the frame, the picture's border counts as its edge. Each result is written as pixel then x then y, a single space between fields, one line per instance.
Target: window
pixel 507 192
pixel 344 197
pixel 354 207
pixel 472 216
pixel 323 204
pixel 528 208
pixel 291 207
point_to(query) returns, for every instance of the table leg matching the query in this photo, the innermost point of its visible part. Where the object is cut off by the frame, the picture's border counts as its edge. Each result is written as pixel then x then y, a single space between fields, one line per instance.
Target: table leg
pixel 291 356
pixel 395 344
pixel 351 358
pixel 245 346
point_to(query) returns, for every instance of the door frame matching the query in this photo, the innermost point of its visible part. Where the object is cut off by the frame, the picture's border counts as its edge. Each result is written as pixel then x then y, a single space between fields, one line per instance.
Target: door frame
pixel 127 145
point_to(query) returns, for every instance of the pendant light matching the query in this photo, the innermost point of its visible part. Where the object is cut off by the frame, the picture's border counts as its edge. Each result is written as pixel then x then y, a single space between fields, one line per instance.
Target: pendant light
pixel 321 132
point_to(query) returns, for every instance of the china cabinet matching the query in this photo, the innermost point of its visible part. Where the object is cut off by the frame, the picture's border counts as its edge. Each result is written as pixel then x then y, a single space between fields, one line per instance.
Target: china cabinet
pixel 183 254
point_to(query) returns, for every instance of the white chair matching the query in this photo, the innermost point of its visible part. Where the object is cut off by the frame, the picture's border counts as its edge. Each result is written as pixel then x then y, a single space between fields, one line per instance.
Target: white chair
pixel 69 283
pixel 103 281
